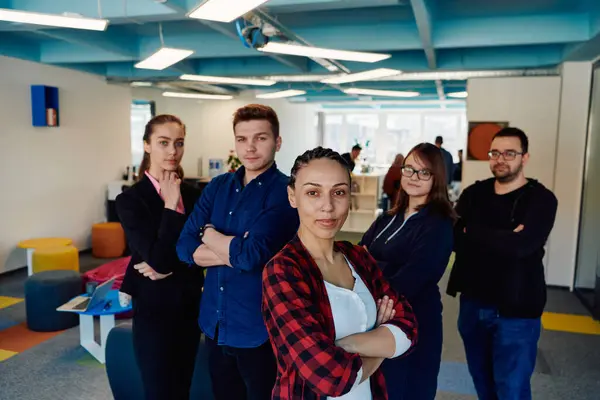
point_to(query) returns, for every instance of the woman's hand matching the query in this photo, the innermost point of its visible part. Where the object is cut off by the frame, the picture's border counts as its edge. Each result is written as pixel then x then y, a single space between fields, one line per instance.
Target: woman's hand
pixel 170 190
pixel 149 272
pixel 385 310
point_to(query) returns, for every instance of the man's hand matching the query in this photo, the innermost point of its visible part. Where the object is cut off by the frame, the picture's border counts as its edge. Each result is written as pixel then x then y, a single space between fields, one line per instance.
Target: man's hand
pixel 519 228
pixel 205 257
pixel 146 270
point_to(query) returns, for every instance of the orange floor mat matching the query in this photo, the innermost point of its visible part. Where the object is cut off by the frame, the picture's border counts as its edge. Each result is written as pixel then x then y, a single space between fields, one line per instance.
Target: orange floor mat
pixel 18 338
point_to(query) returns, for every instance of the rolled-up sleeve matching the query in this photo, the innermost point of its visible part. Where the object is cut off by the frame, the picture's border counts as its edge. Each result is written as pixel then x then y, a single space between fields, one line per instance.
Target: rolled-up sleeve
pixel 403 343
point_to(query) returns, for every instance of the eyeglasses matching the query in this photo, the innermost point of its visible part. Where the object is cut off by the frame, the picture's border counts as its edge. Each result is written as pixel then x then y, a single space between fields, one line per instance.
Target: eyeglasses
pixel 423 174
pixel 508 155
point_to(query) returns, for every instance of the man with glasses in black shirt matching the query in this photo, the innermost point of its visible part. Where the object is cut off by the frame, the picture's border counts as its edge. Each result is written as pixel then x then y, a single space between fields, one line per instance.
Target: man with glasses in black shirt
pixel 504 223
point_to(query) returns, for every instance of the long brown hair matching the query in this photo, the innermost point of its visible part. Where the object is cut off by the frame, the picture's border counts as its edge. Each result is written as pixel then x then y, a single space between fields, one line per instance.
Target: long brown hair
pixel 149 130
pixel 438 200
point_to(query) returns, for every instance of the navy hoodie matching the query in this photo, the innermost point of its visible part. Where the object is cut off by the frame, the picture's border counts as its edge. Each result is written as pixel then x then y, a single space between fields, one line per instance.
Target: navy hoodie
pixel 413 255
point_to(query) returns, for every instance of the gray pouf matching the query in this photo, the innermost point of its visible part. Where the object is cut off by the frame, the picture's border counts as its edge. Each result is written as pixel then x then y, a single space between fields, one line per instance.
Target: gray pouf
pixel 121 366
pixel 124 374
pixel 44 292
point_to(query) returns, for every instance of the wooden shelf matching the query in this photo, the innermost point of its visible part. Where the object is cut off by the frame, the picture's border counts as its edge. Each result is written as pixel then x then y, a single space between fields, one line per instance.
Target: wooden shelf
pixel 365 203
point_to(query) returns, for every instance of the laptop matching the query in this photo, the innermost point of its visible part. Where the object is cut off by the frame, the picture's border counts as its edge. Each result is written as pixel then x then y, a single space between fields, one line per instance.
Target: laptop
pixel 85 303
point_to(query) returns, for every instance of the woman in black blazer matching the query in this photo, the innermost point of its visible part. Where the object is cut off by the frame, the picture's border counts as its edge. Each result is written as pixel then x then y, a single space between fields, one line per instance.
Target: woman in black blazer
pixel 166 292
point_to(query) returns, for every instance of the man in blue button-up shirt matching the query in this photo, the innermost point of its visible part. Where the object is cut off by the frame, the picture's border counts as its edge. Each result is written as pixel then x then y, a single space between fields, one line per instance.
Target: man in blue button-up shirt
pixel 240 222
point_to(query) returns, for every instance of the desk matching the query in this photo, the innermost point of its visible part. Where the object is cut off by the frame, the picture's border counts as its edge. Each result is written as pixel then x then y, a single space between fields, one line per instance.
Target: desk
pixel 107 322
pixel 33 244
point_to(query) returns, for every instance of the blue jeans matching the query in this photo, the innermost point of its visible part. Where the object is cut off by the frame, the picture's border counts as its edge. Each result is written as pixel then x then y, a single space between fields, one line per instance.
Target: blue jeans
pixel 501 352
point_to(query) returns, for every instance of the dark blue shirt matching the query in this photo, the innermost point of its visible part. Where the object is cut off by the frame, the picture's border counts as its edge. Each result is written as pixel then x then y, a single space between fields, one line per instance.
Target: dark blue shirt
pixel 260 217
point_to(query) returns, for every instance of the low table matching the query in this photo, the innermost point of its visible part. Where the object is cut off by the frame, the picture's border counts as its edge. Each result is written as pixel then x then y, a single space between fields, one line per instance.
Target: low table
pixel 31 244
pixel 107 322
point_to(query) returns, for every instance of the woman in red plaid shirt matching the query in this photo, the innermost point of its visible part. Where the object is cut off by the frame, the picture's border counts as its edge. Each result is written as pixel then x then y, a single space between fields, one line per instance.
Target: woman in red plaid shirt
pixel 331 315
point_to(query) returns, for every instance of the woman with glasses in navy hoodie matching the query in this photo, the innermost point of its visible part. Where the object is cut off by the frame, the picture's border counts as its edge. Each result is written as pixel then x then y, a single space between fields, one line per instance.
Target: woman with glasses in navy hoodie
pixel 412 244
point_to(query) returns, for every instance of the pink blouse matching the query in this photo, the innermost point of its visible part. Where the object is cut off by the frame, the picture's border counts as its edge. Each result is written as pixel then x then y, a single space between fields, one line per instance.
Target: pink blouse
pixel 180 208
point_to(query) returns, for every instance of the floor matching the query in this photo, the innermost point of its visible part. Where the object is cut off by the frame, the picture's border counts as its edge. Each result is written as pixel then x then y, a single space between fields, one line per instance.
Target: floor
pixel 54 366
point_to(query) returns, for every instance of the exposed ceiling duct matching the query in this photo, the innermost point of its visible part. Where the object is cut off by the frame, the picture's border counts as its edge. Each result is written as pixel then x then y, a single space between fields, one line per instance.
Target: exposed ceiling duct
pixel 429 76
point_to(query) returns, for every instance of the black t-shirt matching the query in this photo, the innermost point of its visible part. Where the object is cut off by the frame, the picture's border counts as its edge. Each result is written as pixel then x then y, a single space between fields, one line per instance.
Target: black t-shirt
pixel 497 210
pixel 493 211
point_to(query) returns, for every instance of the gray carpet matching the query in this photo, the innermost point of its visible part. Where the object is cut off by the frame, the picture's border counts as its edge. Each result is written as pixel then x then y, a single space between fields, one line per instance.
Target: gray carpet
pixel 568 364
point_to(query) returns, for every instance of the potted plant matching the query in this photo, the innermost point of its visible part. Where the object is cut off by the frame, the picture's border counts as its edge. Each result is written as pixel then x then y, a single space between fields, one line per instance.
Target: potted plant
pixel 233 161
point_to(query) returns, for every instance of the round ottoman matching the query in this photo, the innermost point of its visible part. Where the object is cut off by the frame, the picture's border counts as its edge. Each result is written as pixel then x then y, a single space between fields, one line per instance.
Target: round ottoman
pixel 121 366
pixel 46 291
pixel 55 258
pixel 124 374
pixel 108 240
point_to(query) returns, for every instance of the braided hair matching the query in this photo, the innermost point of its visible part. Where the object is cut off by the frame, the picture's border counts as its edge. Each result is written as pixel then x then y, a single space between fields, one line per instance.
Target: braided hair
pixel 316 154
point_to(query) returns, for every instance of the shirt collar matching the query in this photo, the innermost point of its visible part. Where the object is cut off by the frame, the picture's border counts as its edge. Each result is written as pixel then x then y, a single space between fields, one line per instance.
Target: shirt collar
pixel 262 178
pixel 154 182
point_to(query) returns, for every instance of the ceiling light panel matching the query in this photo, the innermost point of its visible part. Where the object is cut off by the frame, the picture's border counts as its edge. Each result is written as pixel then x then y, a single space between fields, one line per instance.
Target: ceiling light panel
pixel 228 80
pixel 458 95
pixel 362 76
pixel 198 96
pixel 387 93
pixel 61 21
pixel 224 10
pixel 164 58
pixel 281 94
pixel 318 52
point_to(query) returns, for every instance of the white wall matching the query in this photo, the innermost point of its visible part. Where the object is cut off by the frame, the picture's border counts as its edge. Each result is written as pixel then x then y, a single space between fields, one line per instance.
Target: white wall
pixel 553 113
pixel 588 252
pixel 528 103
pixel 54 179
pixel 210 131
pixel 568 176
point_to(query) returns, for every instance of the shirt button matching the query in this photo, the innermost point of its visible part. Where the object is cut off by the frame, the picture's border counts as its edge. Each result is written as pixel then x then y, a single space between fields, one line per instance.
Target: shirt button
pixel 259 183
pixel 230 212
pixel 237 190
pixel 221 288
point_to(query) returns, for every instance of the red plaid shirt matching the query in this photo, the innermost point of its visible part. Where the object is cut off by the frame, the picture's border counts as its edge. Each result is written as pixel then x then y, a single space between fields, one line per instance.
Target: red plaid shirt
pixel 298 317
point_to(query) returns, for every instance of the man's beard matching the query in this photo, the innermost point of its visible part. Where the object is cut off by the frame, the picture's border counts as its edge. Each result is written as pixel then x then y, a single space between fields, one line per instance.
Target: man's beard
pixel 508 175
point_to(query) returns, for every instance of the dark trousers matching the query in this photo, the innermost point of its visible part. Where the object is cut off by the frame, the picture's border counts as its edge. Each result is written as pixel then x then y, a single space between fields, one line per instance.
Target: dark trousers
pixel 165 348
pixel 241 373
pixel 501 352
pixel 414 376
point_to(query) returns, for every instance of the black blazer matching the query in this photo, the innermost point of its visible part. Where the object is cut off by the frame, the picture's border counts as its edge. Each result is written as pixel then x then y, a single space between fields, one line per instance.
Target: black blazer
pixel 152 232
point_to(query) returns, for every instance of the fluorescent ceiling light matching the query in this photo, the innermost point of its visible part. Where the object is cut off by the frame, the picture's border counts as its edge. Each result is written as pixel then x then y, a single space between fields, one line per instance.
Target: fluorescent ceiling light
pixel 281 94
pixel 388 93
pixel 362 76
pixel 164 58
pixel 458 95
pixel 228 80
pixel 61 21
pixel 317 52
pixel 141 84
pixel 298 78
pixel 198 96
pixel 224 10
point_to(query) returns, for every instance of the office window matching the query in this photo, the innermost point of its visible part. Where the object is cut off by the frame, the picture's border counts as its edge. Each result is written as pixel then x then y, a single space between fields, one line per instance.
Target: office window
pixel 390 133
pixel 141 113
